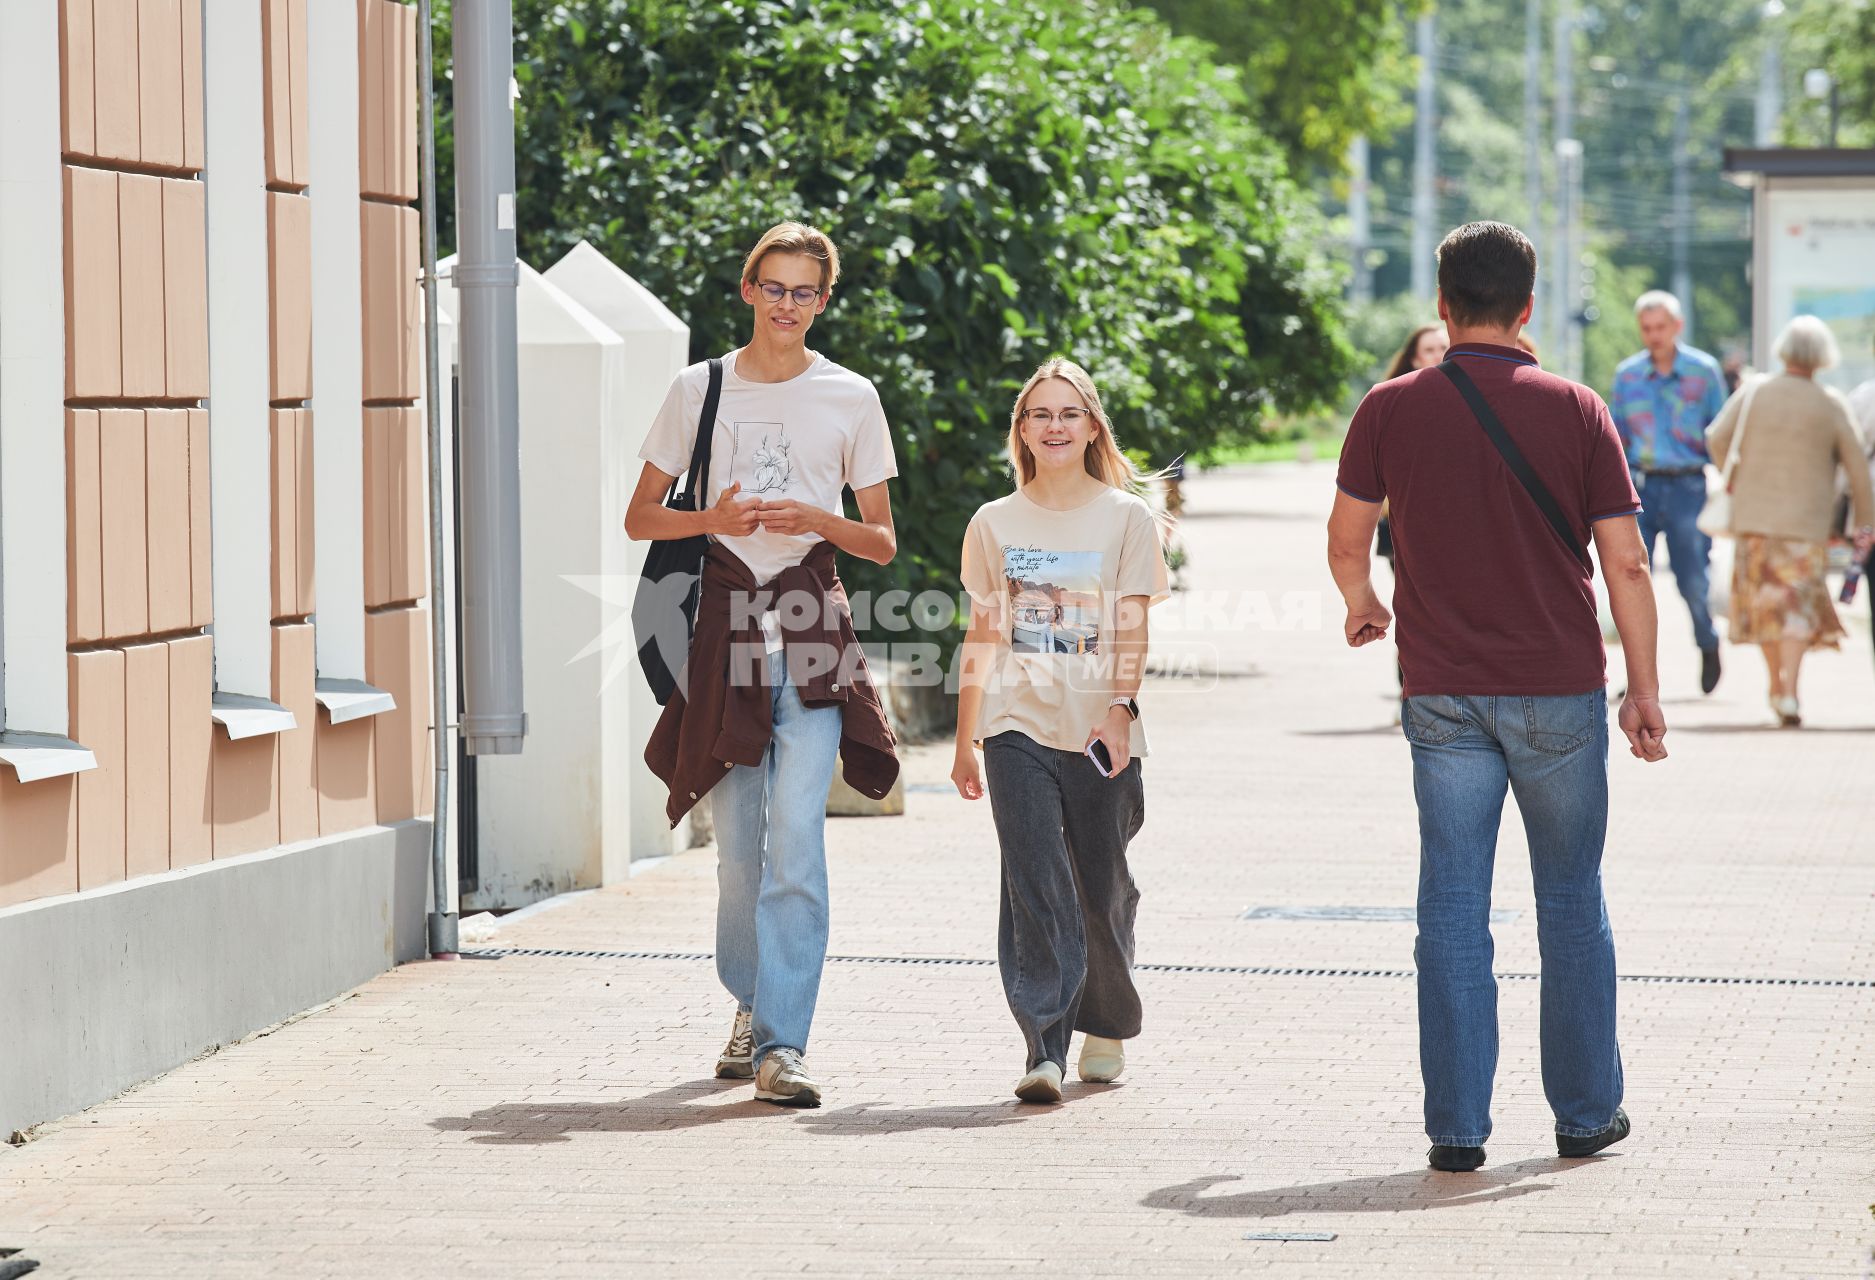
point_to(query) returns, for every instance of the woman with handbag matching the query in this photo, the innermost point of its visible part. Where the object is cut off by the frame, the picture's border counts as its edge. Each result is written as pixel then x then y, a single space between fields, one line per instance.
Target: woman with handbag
pixel 1783 438
pixel 773 686
pixel 1054 707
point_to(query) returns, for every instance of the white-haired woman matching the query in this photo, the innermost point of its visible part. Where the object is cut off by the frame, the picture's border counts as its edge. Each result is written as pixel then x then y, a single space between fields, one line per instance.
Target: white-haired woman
pixel 1060 574
pixel 1791 439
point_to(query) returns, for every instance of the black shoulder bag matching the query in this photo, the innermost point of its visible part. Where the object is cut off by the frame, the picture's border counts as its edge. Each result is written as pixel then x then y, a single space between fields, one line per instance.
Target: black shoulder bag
pixel 664 613
pixel 1514 459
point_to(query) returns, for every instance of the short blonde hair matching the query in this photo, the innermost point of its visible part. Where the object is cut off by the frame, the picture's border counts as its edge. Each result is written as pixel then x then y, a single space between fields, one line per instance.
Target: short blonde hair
pixel 795 237
pixel 1807 343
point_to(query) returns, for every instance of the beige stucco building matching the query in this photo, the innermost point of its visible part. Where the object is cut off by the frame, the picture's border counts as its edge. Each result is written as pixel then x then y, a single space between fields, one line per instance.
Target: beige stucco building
pixel 215 767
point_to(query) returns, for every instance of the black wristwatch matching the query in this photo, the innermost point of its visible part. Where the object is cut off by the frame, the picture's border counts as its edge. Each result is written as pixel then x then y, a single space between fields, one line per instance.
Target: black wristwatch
pixel 1132 707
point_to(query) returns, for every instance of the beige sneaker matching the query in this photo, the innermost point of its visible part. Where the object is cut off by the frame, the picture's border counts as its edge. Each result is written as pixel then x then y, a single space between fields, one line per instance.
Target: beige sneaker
pixel 783 1080
pixel 1102 1060
pixel 737 1060
pixel 1041 1085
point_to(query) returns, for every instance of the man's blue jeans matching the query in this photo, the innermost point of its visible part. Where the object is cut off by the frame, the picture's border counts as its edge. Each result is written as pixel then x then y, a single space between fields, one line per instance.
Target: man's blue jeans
pixel 1671 505
pixel 771 871
pixel 1552 752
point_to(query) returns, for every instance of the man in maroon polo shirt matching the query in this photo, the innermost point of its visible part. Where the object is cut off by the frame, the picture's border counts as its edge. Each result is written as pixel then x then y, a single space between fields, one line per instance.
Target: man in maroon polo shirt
pixel 1499 476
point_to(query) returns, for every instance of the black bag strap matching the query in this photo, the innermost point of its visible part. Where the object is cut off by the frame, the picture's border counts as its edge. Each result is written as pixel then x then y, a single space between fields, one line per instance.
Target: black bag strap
pixel 1514 459
pixel 697 478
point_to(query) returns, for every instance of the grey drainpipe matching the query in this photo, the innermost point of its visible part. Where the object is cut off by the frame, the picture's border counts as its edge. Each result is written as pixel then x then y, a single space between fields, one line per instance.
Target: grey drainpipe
pixel 443 917
pixel 493 720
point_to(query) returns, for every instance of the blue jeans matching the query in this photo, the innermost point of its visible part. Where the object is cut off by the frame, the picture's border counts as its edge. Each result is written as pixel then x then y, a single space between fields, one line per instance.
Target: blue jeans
pixel 1553 753
pixel 1671 505
pixel 771 871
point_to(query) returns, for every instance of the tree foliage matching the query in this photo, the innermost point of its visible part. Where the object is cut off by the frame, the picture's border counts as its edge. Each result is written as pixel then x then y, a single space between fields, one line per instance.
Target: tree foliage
pixel 1006 183
pixel 1316 74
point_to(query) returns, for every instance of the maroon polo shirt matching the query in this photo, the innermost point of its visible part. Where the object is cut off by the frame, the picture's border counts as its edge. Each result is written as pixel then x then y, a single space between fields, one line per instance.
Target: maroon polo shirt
pixel 1486 598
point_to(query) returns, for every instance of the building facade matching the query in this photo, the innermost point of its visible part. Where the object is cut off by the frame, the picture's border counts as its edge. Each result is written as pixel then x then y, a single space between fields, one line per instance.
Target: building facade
pixel 215 770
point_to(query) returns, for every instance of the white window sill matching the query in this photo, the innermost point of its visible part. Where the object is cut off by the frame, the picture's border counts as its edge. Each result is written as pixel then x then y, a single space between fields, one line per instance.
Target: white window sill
pixel 245 716
pixel 37 756
pixel 351 699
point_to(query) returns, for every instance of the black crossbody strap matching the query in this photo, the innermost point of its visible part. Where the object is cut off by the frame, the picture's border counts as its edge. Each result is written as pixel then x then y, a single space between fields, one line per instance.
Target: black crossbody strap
pixel 1514 459
pixel 697 478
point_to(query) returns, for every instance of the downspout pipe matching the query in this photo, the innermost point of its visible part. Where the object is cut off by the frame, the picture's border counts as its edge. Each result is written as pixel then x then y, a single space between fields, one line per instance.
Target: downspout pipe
pixel 486 277
pixel 443 914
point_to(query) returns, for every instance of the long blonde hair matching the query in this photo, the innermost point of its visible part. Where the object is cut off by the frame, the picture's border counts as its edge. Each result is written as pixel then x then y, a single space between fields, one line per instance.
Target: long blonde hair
pixel 1104 460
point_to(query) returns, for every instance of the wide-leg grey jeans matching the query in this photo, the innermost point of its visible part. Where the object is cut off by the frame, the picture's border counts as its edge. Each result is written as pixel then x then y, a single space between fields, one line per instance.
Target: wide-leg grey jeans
pixel 1065 939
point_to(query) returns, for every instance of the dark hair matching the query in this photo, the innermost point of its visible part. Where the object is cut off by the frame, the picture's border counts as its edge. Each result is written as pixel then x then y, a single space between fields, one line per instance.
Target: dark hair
pixel 1486 273
pixel 1403 358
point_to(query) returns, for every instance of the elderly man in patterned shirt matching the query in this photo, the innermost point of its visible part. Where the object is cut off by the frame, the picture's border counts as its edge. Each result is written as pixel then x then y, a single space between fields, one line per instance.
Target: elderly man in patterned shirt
pixel 1664 399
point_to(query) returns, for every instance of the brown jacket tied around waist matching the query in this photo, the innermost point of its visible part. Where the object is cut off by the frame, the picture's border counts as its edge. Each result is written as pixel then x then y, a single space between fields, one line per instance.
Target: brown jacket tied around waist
pixel 722 713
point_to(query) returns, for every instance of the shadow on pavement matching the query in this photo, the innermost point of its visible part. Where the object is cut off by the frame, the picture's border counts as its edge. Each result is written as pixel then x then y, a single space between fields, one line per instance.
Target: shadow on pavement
pixel 1386 1193
pixel 1768 728
pixel 538 1123
pixel 869 1118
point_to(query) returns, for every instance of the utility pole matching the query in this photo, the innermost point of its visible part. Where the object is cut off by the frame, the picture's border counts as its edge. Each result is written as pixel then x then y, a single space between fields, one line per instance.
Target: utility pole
pixel 1683 210
pixel 1569 287
pixel 1360 219
pixel 1565 279
pixel 1533 162
pixel 1425 158
pixel 1770 104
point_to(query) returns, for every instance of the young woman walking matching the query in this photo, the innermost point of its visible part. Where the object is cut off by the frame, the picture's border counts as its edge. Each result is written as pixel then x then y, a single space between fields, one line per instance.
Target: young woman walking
pixel 1076 545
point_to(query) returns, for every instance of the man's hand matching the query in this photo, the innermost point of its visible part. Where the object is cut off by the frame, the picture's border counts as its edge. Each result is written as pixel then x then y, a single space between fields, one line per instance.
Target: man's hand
pixel 791 517
pixel 1646 726
pixel 1367 623
pixel 1117 732
pixel 732 518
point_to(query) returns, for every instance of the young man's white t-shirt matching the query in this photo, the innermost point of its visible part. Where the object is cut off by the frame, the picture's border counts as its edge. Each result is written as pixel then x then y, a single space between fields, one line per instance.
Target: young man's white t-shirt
pixel 807 438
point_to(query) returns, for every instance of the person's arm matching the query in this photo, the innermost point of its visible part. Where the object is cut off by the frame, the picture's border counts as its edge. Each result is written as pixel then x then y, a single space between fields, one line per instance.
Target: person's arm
pixel 1618 415
pixel 871 537
pixel 1855 463
pixel 1719 434
pixel 1350 558
pixel 1129 669
pixel 974 662
pixel 1631 598
pixel 647 518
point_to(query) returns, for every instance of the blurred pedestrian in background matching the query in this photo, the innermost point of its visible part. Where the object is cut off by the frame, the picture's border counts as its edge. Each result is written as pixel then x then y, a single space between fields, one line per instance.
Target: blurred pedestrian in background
pixel 1791 434
pixel 1862 412
pixel 1423 348
pixel 1663 400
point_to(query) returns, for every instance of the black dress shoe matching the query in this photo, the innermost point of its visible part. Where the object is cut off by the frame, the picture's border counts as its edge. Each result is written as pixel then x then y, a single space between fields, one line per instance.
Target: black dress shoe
pixel 1576 1148
pixel 1455 1159
pixel 1708 669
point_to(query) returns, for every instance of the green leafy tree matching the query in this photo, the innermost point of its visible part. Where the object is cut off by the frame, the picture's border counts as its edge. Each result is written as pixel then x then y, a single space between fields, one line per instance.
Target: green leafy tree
pixel 1006 184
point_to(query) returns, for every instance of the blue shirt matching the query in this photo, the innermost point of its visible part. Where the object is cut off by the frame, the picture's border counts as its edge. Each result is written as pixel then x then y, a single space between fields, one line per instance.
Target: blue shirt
pixel 1662 417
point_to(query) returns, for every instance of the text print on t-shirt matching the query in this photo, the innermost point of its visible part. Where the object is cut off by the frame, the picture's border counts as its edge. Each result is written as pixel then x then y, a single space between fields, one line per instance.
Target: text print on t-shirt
pixel 759 458
pixel 1054 600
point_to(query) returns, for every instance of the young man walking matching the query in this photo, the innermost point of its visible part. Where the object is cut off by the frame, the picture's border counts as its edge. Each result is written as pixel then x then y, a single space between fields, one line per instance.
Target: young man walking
pixel 1498 476
pixel 1664 399
pixel 776 685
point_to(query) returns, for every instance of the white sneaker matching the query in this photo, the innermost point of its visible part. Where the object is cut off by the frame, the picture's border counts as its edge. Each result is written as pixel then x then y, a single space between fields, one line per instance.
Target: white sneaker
pixel 737 1060
pixel 1041 1085
pixel 783 1080
pixel 1102 1060
pixel 1789 715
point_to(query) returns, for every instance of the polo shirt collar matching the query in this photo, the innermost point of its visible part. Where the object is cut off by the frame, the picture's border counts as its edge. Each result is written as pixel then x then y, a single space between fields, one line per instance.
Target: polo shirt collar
pixel 1493 351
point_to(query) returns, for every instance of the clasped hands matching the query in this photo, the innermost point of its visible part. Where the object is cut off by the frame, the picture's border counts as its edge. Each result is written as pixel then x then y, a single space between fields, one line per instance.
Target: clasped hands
pixel 738 517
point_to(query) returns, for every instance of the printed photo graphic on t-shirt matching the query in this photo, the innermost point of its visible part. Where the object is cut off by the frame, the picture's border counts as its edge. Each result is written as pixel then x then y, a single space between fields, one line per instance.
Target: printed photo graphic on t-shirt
pixel 759 458
pixel 1054 600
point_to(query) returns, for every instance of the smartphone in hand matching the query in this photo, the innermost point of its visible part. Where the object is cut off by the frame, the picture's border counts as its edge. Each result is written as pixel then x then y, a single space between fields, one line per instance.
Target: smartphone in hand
pixel 1103 761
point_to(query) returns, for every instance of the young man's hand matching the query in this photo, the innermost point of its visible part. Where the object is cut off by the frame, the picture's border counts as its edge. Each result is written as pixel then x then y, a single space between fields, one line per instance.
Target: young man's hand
pixel 1367 623
pixel 1646 726
pixel 790 517
pixel 732 518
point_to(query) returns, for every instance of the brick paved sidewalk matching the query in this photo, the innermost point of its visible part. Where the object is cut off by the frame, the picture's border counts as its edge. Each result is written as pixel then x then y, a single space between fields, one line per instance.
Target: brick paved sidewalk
pixel 554 1116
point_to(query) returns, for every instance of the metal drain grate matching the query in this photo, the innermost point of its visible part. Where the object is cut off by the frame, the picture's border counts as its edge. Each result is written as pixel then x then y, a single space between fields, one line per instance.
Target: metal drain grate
pixel 1230 970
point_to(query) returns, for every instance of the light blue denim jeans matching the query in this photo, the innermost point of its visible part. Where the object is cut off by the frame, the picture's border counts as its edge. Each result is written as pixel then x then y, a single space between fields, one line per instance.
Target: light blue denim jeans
pixel 1671 505
pixel 1552 753
pixel 771 871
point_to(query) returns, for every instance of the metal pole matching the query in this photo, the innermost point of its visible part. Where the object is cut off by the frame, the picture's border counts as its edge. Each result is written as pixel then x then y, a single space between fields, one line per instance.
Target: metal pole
pixel 1770 104
pixel 1533 157
pixel 486 276
pixel 1425 158
pixel 1565 278
pixel 443 916
pixel 1683 210
pixel 1360 219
